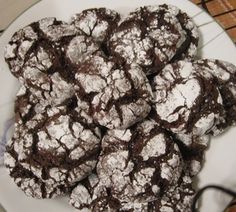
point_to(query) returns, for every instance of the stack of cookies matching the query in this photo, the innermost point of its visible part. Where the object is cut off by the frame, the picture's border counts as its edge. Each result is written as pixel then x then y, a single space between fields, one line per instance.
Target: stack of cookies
pixel 117 112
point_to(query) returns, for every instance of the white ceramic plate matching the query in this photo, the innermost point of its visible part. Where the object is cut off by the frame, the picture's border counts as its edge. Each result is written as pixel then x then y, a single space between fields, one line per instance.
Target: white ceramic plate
pixel 214 43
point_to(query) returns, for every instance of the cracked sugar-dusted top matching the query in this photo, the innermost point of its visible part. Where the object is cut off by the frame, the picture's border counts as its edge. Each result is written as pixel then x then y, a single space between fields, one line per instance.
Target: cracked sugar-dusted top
pixel 57 144
pixel 118 96
pixel 185 101
pixel 96 22
pixel 139 163
pixel 150 37
pixel 224 74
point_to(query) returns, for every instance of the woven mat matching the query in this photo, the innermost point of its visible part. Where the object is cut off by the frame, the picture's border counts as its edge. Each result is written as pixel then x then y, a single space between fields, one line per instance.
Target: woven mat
pixel 224 11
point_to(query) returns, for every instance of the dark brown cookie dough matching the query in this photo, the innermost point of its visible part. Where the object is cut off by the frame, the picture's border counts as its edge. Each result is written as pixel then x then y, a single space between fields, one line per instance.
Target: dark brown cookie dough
pixel 138 164
pixel 224 75
pixel 97 23
pixel 153 35
pixel 118 96
pixel 185 101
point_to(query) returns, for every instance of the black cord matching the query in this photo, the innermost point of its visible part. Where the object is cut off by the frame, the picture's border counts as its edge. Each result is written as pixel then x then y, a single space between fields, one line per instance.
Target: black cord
pixel 216 187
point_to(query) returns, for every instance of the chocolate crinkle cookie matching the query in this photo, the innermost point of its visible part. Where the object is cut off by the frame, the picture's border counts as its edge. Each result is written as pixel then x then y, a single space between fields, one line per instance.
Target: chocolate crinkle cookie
pixel 35 44
pixel 58 149
pixel 153 36
pixel 185 101
pixel 118 96
pixel 97 23
pixel 34 56
pixel 139 163
pixel 136 166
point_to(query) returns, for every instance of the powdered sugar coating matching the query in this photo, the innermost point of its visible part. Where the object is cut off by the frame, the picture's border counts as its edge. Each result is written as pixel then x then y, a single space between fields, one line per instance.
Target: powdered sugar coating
pixel 80 47
pixel 186 102
pixel 150 37
pixel 126 181
pixel 51 88
pixel 97 22
pixel 132 172
pixel 118 96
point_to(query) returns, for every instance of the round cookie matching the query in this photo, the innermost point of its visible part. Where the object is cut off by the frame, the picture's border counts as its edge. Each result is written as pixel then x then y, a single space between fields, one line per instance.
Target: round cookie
pixel 185 101
pixel 59 145
pixel 96 22
pixel 150 37
pixel 35 45
pixel 26 179
pixel 224 75
pixel 138 164
pixel 118 96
